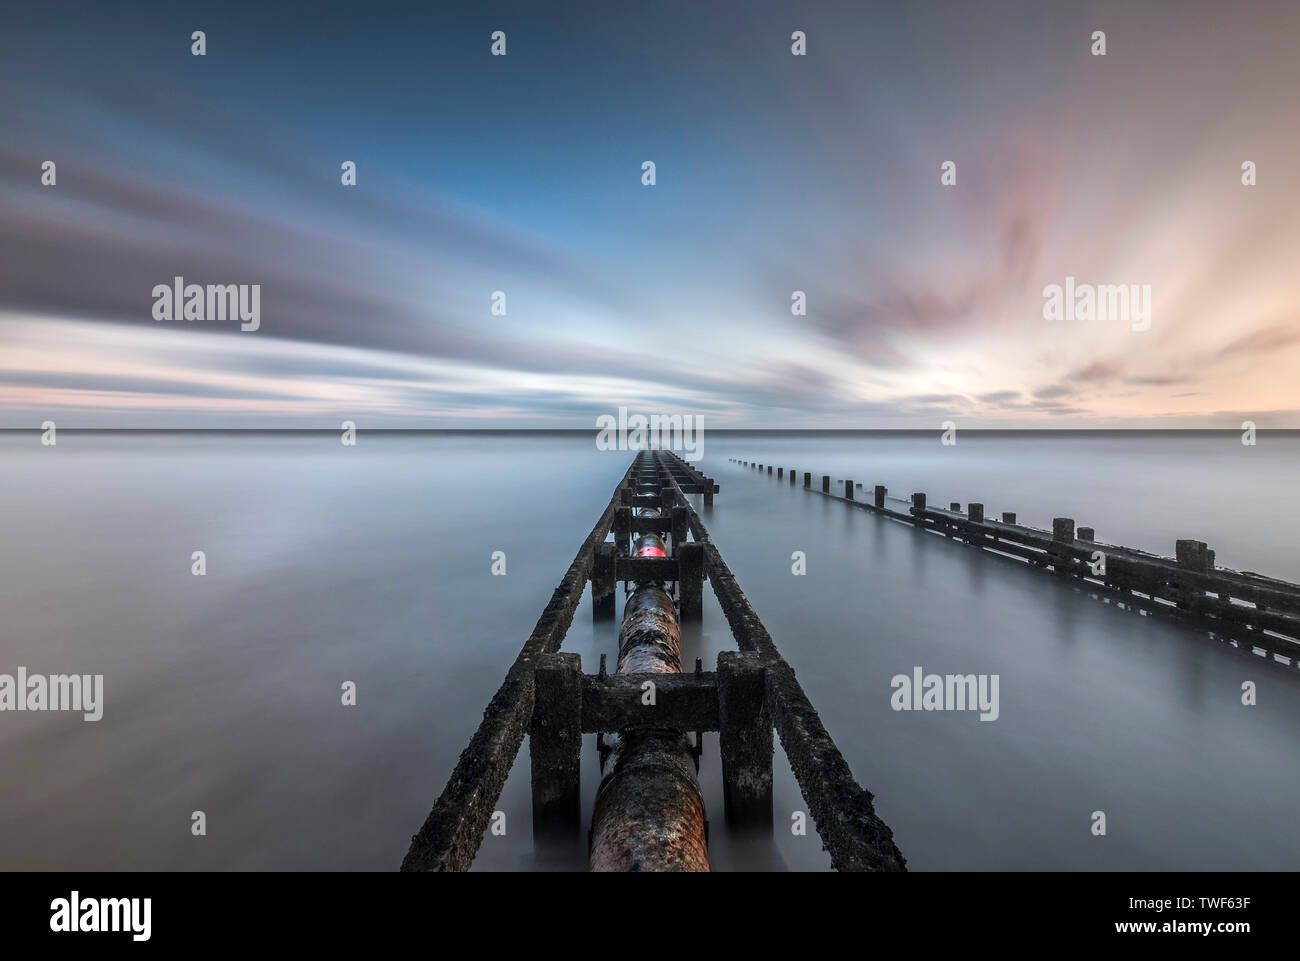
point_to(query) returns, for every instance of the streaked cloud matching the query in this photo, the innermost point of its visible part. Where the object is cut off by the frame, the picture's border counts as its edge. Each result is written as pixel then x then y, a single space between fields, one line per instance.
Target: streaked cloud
pixel 924 302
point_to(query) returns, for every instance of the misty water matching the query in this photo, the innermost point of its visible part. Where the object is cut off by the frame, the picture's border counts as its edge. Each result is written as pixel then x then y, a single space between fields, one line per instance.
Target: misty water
pixel 372 564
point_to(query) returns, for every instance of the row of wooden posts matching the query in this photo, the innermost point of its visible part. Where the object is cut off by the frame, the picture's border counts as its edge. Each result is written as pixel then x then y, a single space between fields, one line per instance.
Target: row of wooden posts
pixel 1252 611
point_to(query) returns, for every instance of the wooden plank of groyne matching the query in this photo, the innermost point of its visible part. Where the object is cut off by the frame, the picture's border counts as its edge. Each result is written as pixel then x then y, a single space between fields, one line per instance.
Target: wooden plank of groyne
pixel 1238 605
pixel 688 702
pixel 555 746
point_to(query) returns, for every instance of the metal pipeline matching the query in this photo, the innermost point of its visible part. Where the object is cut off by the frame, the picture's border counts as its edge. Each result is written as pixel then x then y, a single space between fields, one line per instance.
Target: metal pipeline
pixel 649 813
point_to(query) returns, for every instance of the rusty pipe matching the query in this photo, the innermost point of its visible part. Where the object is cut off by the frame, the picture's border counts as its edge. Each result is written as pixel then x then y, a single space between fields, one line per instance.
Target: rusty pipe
pixel 649 813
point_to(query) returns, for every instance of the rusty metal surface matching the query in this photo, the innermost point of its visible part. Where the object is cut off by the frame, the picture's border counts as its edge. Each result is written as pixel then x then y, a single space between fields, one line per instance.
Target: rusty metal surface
pixel 650 640
pixel 649 814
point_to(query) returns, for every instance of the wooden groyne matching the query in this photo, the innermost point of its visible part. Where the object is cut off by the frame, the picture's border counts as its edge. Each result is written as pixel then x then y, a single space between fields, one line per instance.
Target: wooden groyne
pixel 1249 610
pixel 752 692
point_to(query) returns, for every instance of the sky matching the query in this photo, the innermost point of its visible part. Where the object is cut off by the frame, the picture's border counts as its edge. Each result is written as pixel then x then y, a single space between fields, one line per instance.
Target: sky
pixel 775 173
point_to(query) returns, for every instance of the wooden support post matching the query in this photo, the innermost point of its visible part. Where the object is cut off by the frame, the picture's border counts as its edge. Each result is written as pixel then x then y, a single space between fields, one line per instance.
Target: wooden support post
pixel 708 491
pixel 690 570
pixel 679 529
pixel 880 493
pixel 975 512
pixel 602 581
pixel 807 478
pixel 780 472
pixel 955 507
pixel 1008 517
pixel 1086 534
pixel 1192 555
pixel 745 739
pixel 623 530
pixel 1062 534
pixel 555 746
pixel 848 490
pixel 625 495
pixel 793 472
pixel 826 484
pixel 918 503
pixel 769 468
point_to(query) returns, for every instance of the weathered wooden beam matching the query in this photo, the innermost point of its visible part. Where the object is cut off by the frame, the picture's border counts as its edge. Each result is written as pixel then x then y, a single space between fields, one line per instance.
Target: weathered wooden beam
pixel 555 746
pixel 686 702
pixel 641 524
pixel 623 529
pixel 647 569
pixel 853 834
pixel 745 740
pixel 602 581
pixel 679 528
pixel 691 561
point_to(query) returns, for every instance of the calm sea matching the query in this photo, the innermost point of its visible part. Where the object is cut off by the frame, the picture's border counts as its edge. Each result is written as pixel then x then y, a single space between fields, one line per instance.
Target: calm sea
pixel 372 564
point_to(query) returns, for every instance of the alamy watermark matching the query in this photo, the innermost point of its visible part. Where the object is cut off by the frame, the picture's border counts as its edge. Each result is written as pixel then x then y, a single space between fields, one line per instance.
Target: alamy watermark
pixel 181 301
pixel 1127 302
pixel 946 692
pixel 53 692
pixel 76 914
pixel 678 432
